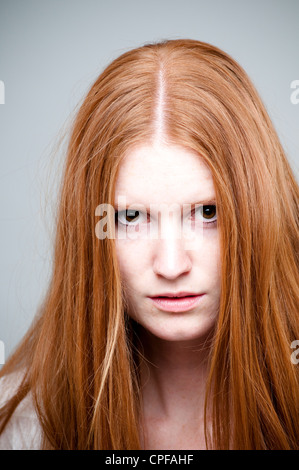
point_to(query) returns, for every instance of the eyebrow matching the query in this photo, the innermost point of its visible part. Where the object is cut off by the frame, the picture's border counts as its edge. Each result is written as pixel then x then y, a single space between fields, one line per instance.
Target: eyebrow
pixel 205 202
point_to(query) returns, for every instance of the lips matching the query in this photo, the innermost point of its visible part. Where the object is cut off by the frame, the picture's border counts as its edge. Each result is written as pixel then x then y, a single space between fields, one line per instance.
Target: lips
pixel 177 302
pixel 176 294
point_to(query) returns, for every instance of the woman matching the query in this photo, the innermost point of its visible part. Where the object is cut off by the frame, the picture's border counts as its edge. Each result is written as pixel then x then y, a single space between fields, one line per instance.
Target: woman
pixel 110 363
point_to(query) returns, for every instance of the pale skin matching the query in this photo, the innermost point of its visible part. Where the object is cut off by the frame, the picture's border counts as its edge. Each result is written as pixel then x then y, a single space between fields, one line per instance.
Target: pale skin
pixel 175 370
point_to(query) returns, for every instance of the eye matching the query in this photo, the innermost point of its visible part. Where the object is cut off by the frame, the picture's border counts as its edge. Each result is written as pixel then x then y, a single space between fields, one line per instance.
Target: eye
pixel 206 213
pixel 129 217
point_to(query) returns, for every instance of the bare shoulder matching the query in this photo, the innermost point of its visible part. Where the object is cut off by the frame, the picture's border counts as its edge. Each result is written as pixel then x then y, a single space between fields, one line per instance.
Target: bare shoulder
pixel 23 430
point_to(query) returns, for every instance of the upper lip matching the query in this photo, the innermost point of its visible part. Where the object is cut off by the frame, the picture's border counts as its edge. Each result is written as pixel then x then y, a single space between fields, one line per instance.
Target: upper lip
pixel 175 294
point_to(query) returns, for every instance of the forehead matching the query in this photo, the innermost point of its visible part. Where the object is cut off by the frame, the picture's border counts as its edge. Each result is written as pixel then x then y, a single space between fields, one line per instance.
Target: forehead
pixel 163 173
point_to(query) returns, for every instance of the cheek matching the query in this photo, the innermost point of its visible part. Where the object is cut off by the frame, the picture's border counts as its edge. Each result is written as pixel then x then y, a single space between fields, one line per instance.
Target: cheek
pixel 209 259
pixel 217 268
pixel 130 256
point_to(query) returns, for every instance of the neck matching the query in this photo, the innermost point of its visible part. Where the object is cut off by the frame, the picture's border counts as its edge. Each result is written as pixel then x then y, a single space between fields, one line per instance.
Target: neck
pixel 173 377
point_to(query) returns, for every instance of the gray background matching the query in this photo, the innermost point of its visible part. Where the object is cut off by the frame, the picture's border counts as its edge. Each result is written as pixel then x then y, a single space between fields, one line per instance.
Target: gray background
pixel 52 51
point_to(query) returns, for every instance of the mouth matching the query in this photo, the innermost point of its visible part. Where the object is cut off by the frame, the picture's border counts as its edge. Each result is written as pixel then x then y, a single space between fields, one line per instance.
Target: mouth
pixel 175 295
pixel 180 302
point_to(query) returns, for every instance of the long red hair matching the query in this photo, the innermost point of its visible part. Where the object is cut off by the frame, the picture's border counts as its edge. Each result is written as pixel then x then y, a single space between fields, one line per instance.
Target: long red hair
pixel 79 358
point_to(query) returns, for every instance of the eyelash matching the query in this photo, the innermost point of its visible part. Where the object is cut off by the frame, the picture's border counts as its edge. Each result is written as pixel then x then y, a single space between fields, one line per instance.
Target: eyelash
pixel 210 224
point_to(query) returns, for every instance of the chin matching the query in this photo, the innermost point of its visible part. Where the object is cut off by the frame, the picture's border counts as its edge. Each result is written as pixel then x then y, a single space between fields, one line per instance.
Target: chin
pixel 182 337
pixel 187 332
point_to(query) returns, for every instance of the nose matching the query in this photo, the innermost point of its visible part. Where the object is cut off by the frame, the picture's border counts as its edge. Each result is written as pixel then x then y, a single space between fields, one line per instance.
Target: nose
pixel 171 260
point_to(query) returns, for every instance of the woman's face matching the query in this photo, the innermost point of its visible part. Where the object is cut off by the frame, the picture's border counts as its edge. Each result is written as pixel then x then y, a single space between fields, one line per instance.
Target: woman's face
pixel 152 178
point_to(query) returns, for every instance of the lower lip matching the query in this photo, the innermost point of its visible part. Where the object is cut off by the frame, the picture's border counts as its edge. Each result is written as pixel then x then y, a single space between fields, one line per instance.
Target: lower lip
pixel 182 304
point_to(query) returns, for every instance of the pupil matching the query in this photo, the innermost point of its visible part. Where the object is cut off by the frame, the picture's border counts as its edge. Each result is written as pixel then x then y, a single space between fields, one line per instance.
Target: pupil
pixel 209 211
pixel 130 215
